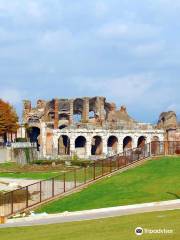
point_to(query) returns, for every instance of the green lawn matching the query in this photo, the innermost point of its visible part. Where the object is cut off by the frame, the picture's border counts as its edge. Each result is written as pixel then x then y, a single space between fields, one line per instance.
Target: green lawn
pixel 14 170
pixel 156 180
pixel 29 175
pixel 102 229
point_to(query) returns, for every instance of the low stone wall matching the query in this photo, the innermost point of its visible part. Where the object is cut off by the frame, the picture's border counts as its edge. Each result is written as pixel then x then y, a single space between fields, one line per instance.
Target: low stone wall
pixel 19 155
pixel 24 155
pixel 5 155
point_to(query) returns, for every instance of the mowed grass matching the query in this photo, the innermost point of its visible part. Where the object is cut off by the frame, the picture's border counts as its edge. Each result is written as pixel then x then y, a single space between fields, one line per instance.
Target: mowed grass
pixel 30 175
pixel 103 229
pixel 14 170
pixel 156 180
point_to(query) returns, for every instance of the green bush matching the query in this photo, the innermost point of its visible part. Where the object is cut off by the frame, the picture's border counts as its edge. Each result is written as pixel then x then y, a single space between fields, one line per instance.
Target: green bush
pixel 21 140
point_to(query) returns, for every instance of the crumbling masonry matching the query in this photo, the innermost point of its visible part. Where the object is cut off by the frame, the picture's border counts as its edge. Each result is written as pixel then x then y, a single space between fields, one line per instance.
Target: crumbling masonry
pixel 87 127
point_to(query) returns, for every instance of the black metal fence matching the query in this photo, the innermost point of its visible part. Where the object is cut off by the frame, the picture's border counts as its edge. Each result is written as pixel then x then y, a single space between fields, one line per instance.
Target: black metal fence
pixel 18 200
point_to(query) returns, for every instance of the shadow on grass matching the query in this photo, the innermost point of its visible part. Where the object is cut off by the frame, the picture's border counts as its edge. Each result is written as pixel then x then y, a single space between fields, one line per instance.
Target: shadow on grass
pixel 174 194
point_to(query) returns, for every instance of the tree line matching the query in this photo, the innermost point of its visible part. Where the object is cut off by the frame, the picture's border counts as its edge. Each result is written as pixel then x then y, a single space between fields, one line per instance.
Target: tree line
pixel 8 120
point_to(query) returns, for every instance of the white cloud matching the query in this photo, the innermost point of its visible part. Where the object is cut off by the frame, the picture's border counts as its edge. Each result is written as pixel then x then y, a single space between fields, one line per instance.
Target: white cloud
pixel 59 39
pixel 14 96
pixel 135 30
pixel 127 89
pixel 34 9
pixel 148 49
pixel 101 9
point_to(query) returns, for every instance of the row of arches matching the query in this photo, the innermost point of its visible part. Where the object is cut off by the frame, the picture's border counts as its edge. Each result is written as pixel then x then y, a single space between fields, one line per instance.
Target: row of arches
pixel 97 144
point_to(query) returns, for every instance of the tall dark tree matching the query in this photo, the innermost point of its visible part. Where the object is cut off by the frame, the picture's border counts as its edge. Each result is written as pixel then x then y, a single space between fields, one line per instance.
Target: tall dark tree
pixel 8 119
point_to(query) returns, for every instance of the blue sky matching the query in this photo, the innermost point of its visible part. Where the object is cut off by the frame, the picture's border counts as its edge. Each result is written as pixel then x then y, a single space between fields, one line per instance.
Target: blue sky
pixel 128 51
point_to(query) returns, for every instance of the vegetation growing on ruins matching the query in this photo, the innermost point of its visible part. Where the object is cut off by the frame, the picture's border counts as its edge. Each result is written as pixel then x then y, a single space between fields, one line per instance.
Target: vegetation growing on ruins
pixel 8 119
pixel 156 180
pixel 103 229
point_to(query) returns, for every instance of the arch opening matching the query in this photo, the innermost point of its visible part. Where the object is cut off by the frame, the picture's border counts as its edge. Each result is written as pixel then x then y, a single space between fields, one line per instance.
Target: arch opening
pixel 64 145
pixel 96 146
pixel 127 143
pixel 141 142
pixel 112 144
pixel 64 116
pixel 62 126
pixel 33 134
pixel 80 145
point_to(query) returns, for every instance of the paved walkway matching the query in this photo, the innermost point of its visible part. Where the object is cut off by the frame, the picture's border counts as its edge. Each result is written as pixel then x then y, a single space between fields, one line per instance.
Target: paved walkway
pixel 42 219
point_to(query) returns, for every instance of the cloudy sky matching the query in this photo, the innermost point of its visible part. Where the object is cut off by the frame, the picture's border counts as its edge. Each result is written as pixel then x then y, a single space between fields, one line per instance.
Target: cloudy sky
pixel 128 51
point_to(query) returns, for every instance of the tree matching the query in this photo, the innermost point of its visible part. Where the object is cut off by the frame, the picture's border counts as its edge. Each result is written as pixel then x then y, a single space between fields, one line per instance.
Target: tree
pixel 8 119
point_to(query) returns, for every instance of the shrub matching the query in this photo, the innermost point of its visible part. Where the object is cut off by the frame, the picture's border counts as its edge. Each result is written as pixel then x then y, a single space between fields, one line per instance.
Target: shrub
pixel 21 140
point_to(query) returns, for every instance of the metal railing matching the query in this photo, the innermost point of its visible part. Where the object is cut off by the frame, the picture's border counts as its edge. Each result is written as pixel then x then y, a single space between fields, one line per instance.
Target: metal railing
pixel 23 198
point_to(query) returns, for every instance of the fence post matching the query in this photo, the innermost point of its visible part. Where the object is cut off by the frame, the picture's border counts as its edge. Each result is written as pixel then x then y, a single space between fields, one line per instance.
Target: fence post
pixel 118 161
pixel 84 174
pixel 150 153
pixel 102 167
pixel 27 196
pixel 12 201
pixel 110 165
pixel 40 189
pixel 52 187
pixel 64 182
pixel 74 177
pixel 94 170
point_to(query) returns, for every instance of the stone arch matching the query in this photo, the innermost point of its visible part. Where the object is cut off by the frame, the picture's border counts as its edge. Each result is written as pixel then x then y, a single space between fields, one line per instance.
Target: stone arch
pixel 63 120
pixel 141 142
pixel 64 116
pixel 127 143
pixel 33 134
pixel 62 126
pixel 112 144
pixel 97 145
pixel 77 110
pixel 155 146
pixel 64 145
pixel 80 145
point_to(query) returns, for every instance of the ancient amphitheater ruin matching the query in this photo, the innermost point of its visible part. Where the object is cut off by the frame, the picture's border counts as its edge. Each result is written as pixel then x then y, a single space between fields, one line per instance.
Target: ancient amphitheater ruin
pixel 90 127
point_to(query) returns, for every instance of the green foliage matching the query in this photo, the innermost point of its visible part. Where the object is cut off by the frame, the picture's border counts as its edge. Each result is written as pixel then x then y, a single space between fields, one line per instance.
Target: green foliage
pixel 75 157
pixel 30 175
pixel 27 154
pixel 21 140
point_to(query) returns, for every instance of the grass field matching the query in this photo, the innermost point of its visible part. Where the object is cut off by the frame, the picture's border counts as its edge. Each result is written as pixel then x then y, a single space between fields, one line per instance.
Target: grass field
pixel 13 170
pixel 30 175
pixel 102 229
pixel 156 180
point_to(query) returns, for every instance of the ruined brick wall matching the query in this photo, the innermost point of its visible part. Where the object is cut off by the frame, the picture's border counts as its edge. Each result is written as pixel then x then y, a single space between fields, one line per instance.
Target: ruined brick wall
pixel 174 134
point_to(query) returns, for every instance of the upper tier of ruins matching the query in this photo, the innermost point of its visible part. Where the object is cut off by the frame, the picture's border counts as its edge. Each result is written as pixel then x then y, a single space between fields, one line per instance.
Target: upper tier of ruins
pixel 80 112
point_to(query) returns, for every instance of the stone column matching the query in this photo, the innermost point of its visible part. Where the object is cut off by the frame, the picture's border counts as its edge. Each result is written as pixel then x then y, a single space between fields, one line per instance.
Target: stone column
pixel 43 140
pixel 26 109
pixel 104 146
pixel 72 146
pixel 85 114
pixel 120 145
pixel 55 145
pixel 88 146
pixel 56 113
pixel 100 108
pixel 71 102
